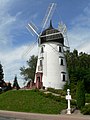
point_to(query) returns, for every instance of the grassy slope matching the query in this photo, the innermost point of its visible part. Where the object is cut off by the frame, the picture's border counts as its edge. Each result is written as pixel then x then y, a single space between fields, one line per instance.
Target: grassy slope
pixel 29 101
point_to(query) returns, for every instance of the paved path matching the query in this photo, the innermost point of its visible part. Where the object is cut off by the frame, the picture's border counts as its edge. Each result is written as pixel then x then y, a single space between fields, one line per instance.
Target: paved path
pixel 33 116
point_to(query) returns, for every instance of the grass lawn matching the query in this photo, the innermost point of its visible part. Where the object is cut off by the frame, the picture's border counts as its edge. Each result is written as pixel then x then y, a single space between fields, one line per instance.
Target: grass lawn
pixel 29 101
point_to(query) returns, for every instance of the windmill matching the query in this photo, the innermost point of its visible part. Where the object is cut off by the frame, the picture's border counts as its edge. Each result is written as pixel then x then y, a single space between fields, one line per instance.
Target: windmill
pixel 51 70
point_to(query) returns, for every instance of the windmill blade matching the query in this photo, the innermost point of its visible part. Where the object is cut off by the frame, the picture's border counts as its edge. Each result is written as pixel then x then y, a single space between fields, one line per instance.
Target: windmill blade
pixel 48 14
pixel 32 28
pixel 63 29
pixel 29 49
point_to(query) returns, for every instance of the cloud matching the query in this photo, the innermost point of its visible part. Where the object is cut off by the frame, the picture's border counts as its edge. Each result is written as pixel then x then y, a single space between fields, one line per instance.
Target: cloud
pixel 10 24
pixel 11 54
pixel 13 60
pixel 6 22
pixel 79 34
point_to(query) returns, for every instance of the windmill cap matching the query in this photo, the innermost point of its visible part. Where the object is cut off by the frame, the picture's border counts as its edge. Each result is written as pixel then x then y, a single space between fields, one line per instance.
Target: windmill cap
pixel 55 37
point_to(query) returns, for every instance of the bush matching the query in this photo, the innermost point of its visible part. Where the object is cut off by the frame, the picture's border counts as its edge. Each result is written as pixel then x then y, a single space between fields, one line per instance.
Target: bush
pixel 63 100
pixel 87 96
pixel 73 103
pixel 86 110
pixel 80 94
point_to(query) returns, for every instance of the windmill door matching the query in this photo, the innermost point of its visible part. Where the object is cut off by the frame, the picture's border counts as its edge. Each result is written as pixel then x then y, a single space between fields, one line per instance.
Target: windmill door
pixel 39 84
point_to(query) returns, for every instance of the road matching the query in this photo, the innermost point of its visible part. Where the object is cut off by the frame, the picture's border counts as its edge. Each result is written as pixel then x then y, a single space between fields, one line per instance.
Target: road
pixel 8 118
pixel 8 115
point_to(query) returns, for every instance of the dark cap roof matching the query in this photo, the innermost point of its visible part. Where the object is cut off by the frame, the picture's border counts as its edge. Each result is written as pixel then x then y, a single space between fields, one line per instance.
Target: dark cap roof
pixel 58 37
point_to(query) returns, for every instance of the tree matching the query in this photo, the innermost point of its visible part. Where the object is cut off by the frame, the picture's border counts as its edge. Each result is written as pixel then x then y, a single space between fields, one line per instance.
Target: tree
pixel 79 69
pixel 29 72
pixel 1 76
pixel 9 86
pixel 15 84
pixel 80 94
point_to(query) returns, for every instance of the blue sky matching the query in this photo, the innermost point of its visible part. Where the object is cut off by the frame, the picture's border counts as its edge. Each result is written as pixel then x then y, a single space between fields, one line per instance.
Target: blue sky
pixel 15 39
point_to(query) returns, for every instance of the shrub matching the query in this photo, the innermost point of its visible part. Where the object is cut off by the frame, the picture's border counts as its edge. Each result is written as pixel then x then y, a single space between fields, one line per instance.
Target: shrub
pixel 86 110
pixel 73 103
pixel 87 96
pixel 63 100
pixel 80 94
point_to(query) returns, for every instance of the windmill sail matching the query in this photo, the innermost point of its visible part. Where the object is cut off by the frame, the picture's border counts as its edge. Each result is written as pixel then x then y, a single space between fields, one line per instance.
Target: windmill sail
pixel 48 15
pixel 32 28
pixel 63 29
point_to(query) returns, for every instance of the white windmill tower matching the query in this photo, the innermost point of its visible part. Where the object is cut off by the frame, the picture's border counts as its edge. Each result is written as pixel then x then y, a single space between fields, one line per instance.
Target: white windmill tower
pixel 51 70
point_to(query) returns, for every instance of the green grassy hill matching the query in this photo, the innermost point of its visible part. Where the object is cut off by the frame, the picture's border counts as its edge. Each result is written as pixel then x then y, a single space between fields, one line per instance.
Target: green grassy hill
pixel 30 101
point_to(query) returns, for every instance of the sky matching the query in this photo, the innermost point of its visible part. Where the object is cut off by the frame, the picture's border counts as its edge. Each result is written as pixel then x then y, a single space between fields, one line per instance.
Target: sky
pixel 16 41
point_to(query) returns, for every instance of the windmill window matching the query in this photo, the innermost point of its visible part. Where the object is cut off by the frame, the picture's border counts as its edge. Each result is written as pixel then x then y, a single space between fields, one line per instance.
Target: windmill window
pixel 63 79
pixel 42 50
pixel 40 62
pixel 63 76
pixel 60 49
pixel 61 61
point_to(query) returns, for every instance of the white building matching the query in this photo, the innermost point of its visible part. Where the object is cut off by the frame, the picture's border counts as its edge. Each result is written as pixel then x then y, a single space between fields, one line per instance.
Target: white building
pixel 51 68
